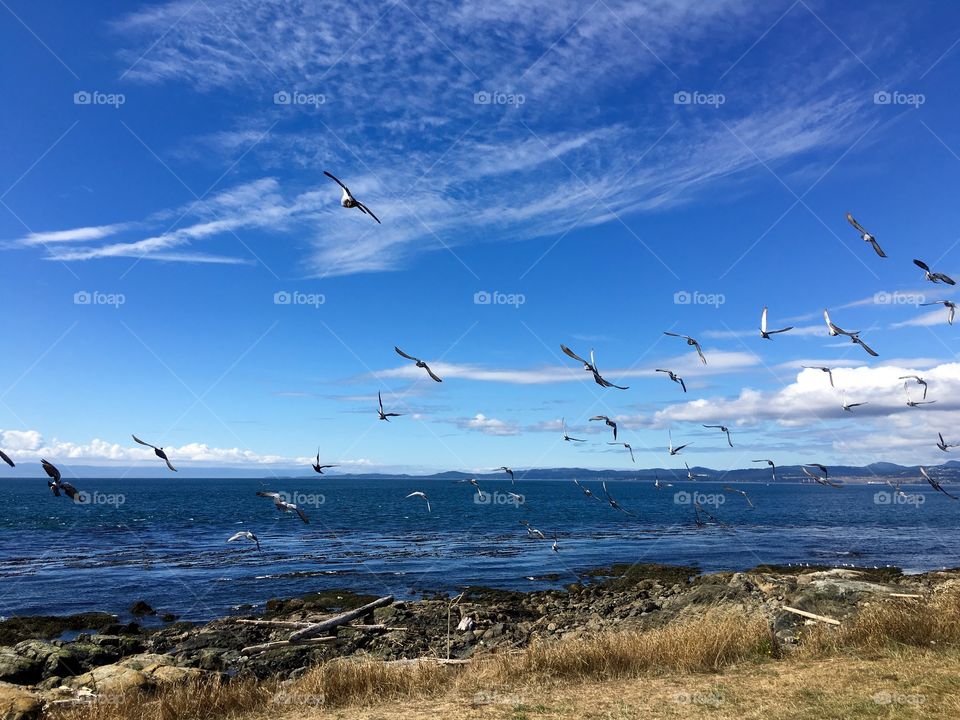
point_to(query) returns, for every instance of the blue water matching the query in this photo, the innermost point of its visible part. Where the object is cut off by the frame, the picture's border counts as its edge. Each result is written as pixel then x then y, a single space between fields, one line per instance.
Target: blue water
pixel 167 542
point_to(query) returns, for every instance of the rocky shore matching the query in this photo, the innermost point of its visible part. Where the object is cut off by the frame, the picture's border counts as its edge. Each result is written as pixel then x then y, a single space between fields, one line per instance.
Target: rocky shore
pixel 104 656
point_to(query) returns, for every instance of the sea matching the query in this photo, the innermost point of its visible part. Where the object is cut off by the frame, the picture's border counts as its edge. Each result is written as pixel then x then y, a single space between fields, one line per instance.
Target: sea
pixel 165 541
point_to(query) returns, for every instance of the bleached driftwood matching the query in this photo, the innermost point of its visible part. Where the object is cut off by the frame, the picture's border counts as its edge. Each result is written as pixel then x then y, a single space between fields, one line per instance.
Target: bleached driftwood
pixel 338 620
pixel 905 595
pixel 810 615
pixel 279 623
pixel 253 649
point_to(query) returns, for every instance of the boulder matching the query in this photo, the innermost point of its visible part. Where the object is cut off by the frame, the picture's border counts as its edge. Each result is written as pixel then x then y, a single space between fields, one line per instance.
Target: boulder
pixel 15 668
pixel 16 703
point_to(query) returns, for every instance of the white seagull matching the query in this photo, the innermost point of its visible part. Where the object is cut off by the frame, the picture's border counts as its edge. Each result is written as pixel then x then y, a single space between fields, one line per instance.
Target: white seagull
pixel 566 436
pixel 919 380
pixel 673 376
pixel 934 277
pixel 949 305
pixel 764 333
pixel 627 446
pixel 420 495
pixel 854 336
pixel 692 343
pixel 865 236
pixel 739 492
pixel 591 367
pixel 827 370
pixel 850 406
pixel 586 491
pixel 420 363
pixel 245 535
pixel 773 467
pixel 944 445
pixel 723 429
pixel 674 450
pixel 347 200
pixel 935 484
pixel 282 505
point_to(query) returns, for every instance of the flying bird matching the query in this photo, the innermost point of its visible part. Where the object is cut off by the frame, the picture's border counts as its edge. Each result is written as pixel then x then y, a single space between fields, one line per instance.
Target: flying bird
pixel 608 422
pixel 915 403
pixel 349 201
pixel 674 450
pixel 381 413
pixel 723 429
pixel 739 492
pixel 157 451
pixel 692 476
pixel 919 380
pixel 773 467
pixel 673 376
pixel 509 472
pixel 613 503
pixel 692 343
pixel 627 446
pixel 318 468
pixel 943 445
pixel 245 535
pixel 567 437
pixel 532 531
pixel 473 481
pixel 934 277
pixel 586 491
pixel 854 336
pixel 6 459
pixel 657 484
pixel 950 306
pixel 282 505
pixel 827 370
pixel 850 406
pixel 865 236
pixel 420 363
pixel 591 367
pixel 816 478
pixel 555 547
pixel 764 333
pixel 935 484
pixel 57 484
pixel 420 495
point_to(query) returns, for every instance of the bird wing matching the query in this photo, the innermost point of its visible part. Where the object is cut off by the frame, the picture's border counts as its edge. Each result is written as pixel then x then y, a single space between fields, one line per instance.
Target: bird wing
pixel 337 181
pixel 237 536
pixel 302 514
pixel 681 447
pixel 877 248
pixel 570 353
pixel 673 334
pixel 857 225
pixel 51 470
pixel 763 320
pixel 870 350
pixel 368 211
pixel 699 351
pixel 380 401
pixel 271 495
pixel 782 330
pixel 401 353
pixel 431 373
pixel 922 265
pixel 70 490
pixel 946 278
pixel 167 461
pixel 682 383
pixel 6 459
pixel 138 440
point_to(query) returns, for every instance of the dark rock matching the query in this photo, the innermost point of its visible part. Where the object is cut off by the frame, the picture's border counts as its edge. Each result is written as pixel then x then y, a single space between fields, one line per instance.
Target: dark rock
pixel 141 607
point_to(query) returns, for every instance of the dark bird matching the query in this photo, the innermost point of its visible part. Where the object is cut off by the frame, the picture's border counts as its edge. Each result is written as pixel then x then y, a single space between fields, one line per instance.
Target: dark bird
pixel 566 437
pixel 674 450
pixel 676 378
pixel 934 277
pixel 6 459
pixel 739 492
pixel 591 367
pixel 245 535
pixel 608 422
pixel 865 236
pixel 773 467
pixel 349 201
pixel 282 505
pixel 723 429
pixel 919 380
pixel 320 468
pixel 157 451
pixel 586 491
pixel 827 370
pixel 950 306
pixel 613 503
pixel 692 343
pixel 764 333
pixel 57 484
pixel 381 413
pixel 420 363
pixel 509 472
pixel 934 484
pixel 627 446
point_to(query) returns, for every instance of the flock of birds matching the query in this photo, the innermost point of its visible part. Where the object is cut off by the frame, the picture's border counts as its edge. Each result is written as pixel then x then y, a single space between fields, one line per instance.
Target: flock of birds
pixel 816 472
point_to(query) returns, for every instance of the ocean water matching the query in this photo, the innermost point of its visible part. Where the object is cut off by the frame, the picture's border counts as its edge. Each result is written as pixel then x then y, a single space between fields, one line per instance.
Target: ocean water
pixel 165 540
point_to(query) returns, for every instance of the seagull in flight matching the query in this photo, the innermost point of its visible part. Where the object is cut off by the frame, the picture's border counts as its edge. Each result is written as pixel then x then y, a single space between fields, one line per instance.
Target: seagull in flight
pixel 157 451
pixel 934 277
pixel 282 505
pixel 944 445
pixel 723 429
pixel 420 495
pixel 920 381
pixel 567 437
pixel 6 459
pixel 896 488
pixel 627 446
pixel 509 472
pixel 555 547
pixel 381 413
pixel 950 306
pixel 739 492
pixel 657 484
pixel 674 450
pixel 854 336
pixel 764 333
pixel 613 503
pixel 473 481
pixel 420 363
pixel 608 422
pixel 673 376
pixel 586 491
pixel 827 370
pixel 318 468
pixel 591 367
pixel 773 467
pixel 245 535
pixel 816 478
pixel 692 476
pixel 57 484
pixel 865 236
pixel 935 484
pixel 532 531
pixel 692 343
pixel 349 201
pixel 847 406
pixel 915 403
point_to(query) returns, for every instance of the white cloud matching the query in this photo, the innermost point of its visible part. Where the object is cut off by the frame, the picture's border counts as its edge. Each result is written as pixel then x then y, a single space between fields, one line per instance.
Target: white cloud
pixel 487 425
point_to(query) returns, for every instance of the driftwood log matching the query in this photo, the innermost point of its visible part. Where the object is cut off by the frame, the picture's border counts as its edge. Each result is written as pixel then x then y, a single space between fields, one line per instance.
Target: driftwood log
pixel 812 616
pixel 342 619
pixel 253 649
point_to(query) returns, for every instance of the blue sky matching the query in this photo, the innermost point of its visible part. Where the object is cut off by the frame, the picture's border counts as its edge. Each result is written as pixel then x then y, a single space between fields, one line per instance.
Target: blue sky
pixel 152 167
